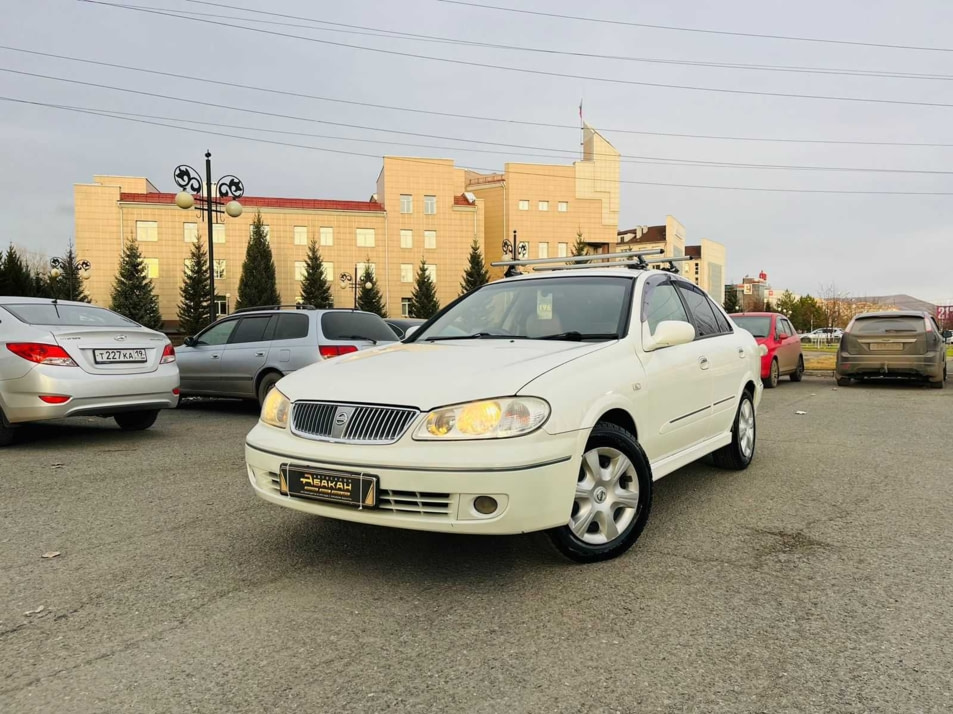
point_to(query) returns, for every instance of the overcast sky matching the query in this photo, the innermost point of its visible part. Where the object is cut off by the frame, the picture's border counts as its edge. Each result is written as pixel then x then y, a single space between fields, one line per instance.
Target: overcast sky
pixel 866 244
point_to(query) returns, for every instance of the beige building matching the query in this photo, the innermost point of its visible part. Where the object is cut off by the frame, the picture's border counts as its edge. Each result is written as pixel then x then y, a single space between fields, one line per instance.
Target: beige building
pixel 707 265
pixel 549 206
pixel 420 211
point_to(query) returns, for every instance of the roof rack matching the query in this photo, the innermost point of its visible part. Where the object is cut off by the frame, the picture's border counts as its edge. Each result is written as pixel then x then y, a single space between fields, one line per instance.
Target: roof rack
pixel 634 260
pixel 275 307
pixel 671 262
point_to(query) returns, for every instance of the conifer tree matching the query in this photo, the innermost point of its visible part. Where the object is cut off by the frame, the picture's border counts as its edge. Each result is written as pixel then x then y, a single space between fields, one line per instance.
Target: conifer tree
pixel 580 247
pixel 476 273
pixel 370 299
pixel 194 298
pixel 315 288
pixel 132 293
pixel 731 303
pixel 69 283
pixel 258 285
pixel 423 299
pixel 15 279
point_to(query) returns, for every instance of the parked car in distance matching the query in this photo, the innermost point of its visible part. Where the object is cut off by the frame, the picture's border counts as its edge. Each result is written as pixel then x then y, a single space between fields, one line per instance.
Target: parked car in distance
pixel 244 354
pixel 61 359
pixel 545 402
pixel 948 337
pixel 774 331
pixel 826 335
pixel 905 343
pixel 400 325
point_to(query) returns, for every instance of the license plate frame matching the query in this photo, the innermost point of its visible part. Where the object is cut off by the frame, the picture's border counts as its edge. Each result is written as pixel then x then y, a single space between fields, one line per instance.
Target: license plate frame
pixel 345 488
pixel 886 346
pixel 123 356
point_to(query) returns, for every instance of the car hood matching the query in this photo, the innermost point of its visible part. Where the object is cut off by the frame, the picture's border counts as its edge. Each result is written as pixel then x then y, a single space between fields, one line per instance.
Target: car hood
pixel 432 374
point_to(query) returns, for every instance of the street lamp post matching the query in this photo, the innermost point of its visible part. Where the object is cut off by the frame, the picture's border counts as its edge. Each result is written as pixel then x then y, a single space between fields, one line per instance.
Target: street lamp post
pixel 346 279
pixel 229 186
pixel 59 265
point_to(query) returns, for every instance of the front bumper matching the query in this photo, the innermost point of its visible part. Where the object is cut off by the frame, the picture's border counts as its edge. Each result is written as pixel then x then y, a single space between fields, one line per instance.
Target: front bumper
pixel 431 486
pixel 928 365
pixel 90 394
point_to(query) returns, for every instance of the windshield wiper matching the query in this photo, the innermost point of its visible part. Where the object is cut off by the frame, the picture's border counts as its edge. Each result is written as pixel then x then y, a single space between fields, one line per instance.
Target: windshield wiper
pixel 576 336
pixel 474 336
pixel 358 337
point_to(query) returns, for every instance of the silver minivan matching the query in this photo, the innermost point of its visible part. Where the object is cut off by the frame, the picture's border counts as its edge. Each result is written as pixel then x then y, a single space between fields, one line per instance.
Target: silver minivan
pixel 245 354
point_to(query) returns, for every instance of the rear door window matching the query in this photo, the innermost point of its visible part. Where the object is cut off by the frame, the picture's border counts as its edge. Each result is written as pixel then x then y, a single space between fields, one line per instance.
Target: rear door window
pixel 291 327
pixel 347 326
pixel 723 324
pixel 250 329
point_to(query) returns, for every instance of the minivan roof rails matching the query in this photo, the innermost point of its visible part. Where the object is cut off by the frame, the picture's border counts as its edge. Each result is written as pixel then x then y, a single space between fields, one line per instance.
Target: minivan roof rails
pixel 274 307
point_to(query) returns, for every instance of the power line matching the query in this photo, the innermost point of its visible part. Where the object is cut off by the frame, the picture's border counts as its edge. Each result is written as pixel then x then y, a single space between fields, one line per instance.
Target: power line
pixel 624 158
pixel 523 70
pixel 398 34
pixel 472 168
pixel 676 28
pixel 499 120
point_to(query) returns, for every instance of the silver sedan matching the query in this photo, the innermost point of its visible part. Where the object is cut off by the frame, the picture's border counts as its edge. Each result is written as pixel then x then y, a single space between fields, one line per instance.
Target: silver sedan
pixel 61 359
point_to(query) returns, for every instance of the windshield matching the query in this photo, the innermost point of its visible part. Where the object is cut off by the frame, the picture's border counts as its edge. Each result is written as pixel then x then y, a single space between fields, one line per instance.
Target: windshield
pixel 577 308
pixel 74 315
pixel 757 326
pixel 349 326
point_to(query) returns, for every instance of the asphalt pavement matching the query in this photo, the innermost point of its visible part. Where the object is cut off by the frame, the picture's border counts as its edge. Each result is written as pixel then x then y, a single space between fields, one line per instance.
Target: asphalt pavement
pixel 820 579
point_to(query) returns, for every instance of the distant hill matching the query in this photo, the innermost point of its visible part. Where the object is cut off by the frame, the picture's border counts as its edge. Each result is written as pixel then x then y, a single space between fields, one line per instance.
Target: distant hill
pixel 901 302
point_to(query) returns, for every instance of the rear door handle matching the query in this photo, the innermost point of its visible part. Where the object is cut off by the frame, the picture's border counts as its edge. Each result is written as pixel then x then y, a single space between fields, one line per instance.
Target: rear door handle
pixel 703 362
pixel 214 356
pixel 259 354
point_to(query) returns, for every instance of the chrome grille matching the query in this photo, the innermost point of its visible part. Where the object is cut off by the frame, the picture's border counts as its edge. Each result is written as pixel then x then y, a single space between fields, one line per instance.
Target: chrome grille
pixel 362 424
pixel 425 504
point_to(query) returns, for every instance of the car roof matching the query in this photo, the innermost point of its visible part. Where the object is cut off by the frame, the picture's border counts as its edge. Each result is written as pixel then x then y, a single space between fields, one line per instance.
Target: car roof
pixel 584 272
pixel 14 300
pixel 276 311
pixel 754 314
pixel 893 313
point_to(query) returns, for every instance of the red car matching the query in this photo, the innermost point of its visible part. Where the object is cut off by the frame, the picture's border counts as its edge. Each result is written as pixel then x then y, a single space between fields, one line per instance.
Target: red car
pixel 774 331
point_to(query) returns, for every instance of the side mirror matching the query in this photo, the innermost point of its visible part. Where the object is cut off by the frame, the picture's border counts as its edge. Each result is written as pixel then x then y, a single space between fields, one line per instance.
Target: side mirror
pixel 411 330
pixel 669 333
pixel 189 342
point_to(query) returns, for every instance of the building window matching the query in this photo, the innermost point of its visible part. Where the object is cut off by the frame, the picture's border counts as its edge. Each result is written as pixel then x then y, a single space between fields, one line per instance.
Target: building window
pixel 219 269
pixel 406 203
pixel 696 268
pixel 361 267
pixel 188 265
pixel 406 273
pixel 430 240
pixel 328 269
pixel 300 267
pixel 221 305
pixel 326 235
pixel 265 228
pixel 432 272
pixel 406 238
pixel 190 232
pixel 543 250
pixel 430 205
pixel 405 307
pixel 152 267
pixel 218 233
pixel 562 206
pixel 301 235
pixel 365 237
pixel 562 250
pixel 543 205
pixel 147 231
pixel 524 205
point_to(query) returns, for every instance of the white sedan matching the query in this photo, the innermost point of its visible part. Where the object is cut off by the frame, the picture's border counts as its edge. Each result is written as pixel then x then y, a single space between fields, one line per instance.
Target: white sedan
pixel 544 402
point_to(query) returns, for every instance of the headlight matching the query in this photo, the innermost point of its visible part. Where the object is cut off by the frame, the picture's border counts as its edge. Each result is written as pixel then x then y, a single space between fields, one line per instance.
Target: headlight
pixel 276 409
pixel 486 419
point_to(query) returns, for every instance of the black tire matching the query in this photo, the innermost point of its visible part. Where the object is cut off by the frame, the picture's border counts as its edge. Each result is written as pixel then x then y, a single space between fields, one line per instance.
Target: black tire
pixel 843 381
pixel 798 373
pixel 940 384
pixel 6 432
pixel 774 374
pixel 611 438
pixel 739 453
pixel 266 384
pixel 136 421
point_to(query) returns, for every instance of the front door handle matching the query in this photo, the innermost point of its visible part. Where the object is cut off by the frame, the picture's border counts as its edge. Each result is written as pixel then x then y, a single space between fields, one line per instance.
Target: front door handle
pixel 215 356
pixel 703 362
pixel 259 354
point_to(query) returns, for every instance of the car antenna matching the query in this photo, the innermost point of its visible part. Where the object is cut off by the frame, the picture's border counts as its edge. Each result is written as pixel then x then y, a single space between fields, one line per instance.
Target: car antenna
pixel 56 307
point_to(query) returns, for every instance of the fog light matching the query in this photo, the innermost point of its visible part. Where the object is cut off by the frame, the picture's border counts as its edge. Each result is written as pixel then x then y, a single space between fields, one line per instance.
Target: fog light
pixel 484 505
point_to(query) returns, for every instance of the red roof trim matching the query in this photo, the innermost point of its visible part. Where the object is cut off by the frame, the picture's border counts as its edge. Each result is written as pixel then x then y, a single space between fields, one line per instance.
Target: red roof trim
pixel 461 201
pixel 305 204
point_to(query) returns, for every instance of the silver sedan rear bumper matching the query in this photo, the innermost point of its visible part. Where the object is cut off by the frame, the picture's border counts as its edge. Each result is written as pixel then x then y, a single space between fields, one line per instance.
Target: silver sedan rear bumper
pixel 89 394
